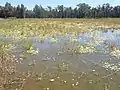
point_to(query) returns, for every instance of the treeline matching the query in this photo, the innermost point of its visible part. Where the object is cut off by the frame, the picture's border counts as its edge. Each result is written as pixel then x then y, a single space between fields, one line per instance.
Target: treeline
pixel 81 10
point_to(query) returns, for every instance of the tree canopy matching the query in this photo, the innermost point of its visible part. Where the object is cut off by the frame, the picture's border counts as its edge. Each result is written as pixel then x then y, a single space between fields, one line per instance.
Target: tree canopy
pixel 81 10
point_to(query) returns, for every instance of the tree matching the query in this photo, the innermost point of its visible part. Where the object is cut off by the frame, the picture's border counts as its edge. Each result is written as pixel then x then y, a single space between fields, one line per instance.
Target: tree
pixel 60 9
pixel 55 13
pixel 36 10
pixel 43 12
pixel 2 12
pixel 7 10
pixel 29 14
pixel 117 11
pixel 82 10
pixel 49 12
pixel 106 10
pixel 22 11
pixel 18 11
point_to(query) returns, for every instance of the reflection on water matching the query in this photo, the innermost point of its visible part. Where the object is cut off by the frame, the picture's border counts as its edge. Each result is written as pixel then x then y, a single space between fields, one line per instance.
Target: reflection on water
pixel 60 65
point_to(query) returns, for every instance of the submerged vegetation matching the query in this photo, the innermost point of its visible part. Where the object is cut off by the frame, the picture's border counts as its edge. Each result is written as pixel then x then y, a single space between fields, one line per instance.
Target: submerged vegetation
pixel 49 54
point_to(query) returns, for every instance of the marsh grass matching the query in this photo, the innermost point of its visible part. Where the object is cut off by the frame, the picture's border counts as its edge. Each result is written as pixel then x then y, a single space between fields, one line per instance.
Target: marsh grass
pixel 10 77
pixel 44 28
pixel 7 67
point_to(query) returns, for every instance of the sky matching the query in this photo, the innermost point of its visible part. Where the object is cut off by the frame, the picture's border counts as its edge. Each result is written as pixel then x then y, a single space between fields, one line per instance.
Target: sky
pixel 30 3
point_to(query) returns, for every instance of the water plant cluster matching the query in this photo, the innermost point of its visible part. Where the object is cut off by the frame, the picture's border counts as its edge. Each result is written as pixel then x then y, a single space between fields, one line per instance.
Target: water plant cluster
pixel 113 67
pixel 36 43
pixel 20 29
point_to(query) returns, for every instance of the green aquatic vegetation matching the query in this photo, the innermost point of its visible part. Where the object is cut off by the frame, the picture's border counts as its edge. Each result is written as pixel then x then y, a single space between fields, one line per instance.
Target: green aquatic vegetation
pixel 23 57
pixel 53 40
pixel 115 67
pixel 62 66
pixel 116 53
pixel 32 63
pixel 46 59
pixel 74 39
pixel 7 45
pixel 47 29
pixel 20 29
pixel 27 44
pixel 1 39
pixel 32 51
pixel 85 49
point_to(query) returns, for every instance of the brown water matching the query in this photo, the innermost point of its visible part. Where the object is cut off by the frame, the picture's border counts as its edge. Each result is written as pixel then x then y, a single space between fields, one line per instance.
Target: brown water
pixel 58 67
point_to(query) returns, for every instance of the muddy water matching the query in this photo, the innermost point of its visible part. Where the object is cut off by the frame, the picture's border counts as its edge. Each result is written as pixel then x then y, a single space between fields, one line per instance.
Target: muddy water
pixel 58 67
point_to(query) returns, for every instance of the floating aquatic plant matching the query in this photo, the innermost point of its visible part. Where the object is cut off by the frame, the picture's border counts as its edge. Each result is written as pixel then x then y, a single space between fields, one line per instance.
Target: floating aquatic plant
pixel 114 67
pixel 62 67
pixel 22 57
pixel 32 63
pixel 32 51
pixel 27 44
pixel 85 49
pixel 53 40
pixel 116 53
pixel 74 39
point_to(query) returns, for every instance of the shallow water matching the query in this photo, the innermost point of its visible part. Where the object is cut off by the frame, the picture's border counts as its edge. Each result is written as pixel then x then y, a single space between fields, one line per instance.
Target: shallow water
pixel 58 67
